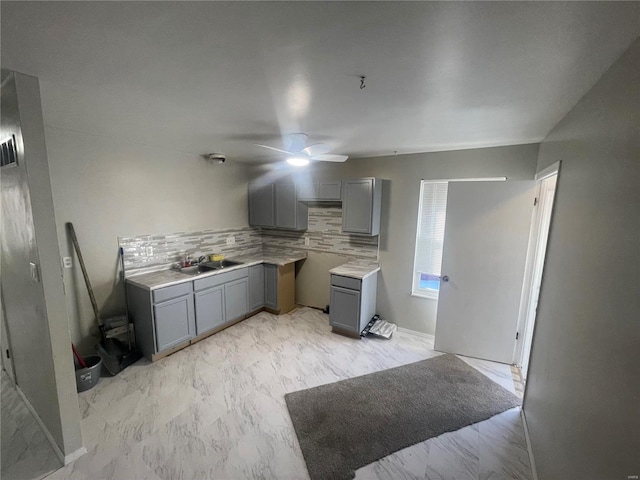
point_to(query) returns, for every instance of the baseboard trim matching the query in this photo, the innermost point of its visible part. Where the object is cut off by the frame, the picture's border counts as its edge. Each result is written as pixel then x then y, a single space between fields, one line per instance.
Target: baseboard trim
pixel 416 333
pixel 72 457
pixel 41 424
pixel 534 472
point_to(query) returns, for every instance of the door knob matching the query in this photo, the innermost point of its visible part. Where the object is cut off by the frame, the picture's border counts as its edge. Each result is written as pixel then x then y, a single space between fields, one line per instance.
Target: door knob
pixel 444 278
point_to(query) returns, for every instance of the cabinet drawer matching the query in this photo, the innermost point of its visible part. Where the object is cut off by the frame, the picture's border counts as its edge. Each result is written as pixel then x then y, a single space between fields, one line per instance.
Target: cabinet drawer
pixel 220 278
pixel 346 282
pixel 167 293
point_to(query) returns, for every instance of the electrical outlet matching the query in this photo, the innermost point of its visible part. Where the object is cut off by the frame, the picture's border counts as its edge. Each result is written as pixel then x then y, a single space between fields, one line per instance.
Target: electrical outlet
pixel 231 240
pixel 67 262
pixel 306 241
pixel 34 272
pixel 149 251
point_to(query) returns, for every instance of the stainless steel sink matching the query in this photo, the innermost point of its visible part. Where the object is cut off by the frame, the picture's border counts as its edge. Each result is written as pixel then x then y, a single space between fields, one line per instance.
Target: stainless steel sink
pixel 220 264
pixel 208 267
pixel 194 270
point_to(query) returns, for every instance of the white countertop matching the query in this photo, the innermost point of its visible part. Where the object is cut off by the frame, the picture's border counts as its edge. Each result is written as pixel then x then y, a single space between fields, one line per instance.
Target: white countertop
pixel 166 278
pixel 357 269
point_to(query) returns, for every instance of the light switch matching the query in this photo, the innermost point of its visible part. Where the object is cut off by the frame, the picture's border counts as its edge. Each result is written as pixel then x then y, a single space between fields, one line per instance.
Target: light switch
pixel 34 272
pixel 67 262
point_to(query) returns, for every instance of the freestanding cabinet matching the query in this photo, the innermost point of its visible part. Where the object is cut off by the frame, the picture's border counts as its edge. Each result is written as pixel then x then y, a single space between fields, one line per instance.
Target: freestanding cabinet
pixel 361 203
pixel 352 303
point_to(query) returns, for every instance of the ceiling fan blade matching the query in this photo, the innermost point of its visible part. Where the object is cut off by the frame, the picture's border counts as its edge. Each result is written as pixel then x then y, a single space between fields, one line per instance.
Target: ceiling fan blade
pixel 330 158
pixel 317 149
pixel 295 142
pixel 284 152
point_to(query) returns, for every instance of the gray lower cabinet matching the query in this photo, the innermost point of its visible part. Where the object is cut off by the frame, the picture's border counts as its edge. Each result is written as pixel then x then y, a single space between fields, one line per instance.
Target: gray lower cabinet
pixel 345 308
pixel 236 296
pixel 209 309
pixel 169 316
pixel 163 318
pixel 352 303
pixel 174 321
pixel 361 203
pixel 271 286
pixel 256 287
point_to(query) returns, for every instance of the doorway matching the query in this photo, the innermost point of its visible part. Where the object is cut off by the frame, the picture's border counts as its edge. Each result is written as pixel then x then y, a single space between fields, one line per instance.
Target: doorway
pixel 541 221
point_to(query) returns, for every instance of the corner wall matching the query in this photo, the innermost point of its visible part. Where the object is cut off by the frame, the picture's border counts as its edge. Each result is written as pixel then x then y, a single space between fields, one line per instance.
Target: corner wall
pixel 400 199
pixel 583 392
pixel 108 188
pixel 35 309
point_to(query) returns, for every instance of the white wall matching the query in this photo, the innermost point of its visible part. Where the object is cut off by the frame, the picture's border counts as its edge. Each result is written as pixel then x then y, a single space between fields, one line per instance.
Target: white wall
pixel 108 188
pixel 35 310
pixel 582 401
pixel 400 213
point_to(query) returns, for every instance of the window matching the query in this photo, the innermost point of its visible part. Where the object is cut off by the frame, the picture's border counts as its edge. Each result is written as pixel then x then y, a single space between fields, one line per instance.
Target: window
pixel 429 238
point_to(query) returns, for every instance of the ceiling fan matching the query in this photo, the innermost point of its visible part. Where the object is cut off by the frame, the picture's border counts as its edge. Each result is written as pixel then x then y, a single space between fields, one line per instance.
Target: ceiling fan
pixel 299 154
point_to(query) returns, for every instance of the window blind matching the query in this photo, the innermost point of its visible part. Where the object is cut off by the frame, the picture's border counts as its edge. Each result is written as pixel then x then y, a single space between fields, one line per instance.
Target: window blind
pixel 430 237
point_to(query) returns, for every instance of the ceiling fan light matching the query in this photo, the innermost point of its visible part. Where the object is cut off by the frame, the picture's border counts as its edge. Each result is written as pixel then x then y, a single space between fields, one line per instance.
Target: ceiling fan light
pixel 297 161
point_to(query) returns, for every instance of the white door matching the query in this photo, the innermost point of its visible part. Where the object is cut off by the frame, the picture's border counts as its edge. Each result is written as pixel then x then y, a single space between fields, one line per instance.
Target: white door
pixel 483 262
pixel 543 221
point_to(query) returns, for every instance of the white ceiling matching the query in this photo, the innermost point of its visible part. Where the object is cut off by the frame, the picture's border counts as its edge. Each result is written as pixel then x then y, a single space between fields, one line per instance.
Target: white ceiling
pixel 202 77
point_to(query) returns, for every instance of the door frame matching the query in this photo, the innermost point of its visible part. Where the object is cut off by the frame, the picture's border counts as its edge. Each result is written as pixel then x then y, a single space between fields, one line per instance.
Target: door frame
pixel 533 268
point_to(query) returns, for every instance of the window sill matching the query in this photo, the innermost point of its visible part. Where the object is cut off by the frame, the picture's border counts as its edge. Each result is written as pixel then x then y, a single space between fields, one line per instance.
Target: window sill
pixel 428 296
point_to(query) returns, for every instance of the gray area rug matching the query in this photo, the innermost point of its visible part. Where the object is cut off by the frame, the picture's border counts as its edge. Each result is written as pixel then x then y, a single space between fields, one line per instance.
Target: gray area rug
pixel 349 424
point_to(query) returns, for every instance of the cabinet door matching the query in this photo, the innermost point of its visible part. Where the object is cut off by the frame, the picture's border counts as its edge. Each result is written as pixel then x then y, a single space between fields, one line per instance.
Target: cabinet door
pixel 209 309
pixel 271 286
pixel 330 190
pixel 344 311
pixel 261 206
pixel 236 295
pixel 256 287
pixel 286 203
pixel 174 321
pixel 357 206
pixel 307 191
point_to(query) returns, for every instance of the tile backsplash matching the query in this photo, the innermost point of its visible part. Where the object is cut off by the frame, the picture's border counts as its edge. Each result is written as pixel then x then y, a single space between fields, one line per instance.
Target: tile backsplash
pixel 150 252
pixel 153 252
pixel 324 234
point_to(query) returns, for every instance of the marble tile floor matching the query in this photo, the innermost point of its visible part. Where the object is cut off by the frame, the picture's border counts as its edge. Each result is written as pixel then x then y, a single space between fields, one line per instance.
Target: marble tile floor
pixel 216 410
pixel 26 454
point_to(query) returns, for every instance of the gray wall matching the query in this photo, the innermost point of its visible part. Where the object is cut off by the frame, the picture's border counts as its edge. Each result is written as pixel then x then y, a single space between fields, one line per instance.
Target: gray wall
pixel 583 391
pixel 400 213
pixel 35 310
pixel 109 188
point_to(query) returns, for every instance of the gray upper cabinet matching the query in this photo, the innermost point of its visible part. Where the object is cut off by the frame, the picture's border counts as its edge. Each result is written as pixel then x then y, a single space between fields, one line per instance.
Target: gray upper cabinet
pixel 261 205
pixel 330 190
pixel 174 321
pixel 271 286
pixel 361 202
pixel 256 287
pixel 209 309
pixel 236 297
pixel 290 213
pixel 307 191
pixel 276 205
pixel 319 191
